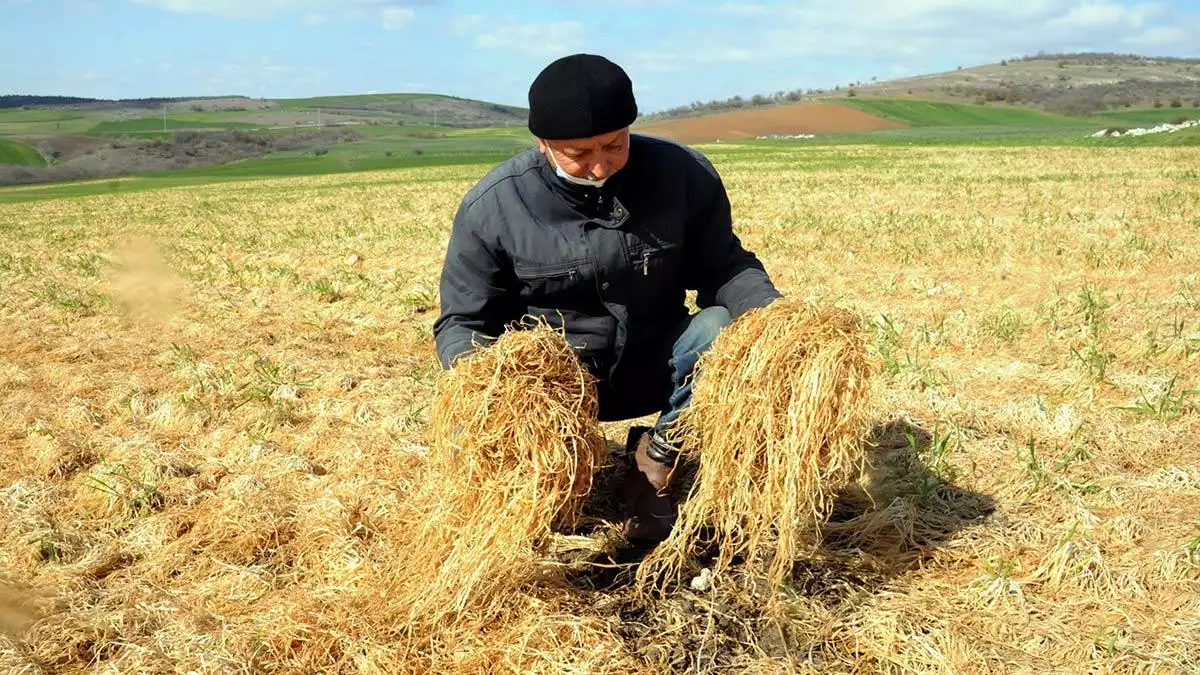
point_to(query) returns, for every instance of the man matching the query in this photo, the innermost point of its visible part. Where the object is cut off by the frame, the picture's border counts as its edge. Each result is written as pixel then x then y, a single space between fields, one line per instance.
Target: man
pixel 602 232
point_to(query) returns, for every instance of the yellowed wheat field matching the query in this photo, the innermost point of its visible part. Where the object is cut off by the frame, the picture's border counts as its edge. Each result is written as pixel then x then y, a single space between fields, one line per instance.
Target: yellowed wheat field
pixel 214 399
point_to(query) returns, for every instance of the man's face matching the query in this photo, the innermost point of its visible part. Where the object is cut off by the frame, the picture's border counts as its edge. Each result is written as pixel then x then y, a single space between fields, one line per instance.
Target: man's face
pixel 594 158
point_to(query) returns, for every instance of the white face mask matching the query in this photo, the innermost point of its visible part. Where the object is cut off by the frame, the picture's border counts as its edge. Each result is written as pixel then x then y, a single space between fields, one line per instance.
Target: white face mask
pixel 586 182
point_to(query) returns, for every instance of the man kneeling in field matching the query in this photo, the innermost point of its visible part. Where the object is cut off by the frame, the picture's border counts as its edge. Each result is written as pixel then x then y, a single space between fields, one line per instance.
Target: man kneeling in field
pixel 602 232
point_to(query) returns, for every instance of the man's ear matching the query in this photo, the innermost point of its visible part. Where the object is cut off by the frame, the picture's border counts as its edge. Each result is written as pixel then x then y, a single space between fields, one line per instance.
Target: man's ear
pixel 542 147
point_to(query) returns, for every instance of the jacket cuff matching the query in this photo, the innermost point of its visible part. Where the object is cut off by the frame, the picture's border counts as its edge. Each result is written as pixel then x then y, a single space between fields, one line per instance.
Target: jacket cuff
pixel 756 300
pixel 661 451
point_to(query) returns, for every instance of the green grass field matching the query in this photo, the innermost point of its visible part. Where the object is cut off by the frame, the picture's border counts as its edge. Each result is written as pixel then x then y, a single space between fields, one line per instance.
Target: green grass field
pixel 16 152
pixel 14 122
pixel 266 167
pixel 361 99
pixel 943 114
pixel 156 125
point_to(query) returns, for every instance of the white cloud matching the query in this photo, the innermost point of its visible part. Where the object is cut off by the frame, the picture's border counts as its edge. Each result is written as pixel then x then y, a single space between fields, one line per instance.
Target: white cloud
pixel 396 18
pixel 257 9
pixel 534 39
pixel 315 19
pixel 466 24
pixel 234 77
pixel 976 31
pixel 1166 36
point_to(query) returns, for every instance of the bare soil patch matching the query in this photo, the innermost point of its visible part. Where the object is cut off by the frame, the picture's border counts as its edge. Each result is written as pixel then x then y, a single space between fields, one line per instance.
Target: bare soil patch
pixel 806 118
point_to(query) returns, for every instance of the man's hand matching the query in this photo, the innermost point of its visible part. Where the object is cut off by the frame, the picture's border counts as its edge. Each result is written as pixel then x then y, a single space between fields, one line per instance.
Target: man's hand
pixel 658 474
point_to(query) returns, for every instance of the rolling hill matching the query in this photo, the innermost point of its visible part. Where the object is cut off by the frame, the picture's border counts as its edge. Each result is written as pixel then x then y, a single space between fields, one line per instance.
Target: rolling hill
pixel 230 111
pixel 1071 84
pixel 1067 83
pixel 20 154
pixel 1058 99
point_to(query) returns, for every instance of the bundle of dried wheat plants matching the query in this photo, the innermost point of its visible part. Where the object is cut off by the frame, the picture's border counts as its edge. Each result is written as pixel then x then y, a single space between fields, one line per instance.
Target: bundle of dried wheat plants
pixel 776 426
pixel 514 444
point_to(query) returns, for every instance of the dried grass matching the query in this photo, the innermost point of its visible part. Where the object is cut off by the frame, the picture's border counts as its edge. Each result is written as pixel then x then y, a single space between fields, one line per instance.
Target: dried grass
pixel 776 426
pixel 514 444
pixel 1055 531
pixel 16 613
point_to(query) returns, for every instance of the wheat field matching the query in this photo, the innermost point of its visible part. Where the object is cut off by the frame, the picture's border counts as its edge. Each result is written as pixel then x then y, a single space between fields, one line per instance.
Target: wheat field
pixel 214 399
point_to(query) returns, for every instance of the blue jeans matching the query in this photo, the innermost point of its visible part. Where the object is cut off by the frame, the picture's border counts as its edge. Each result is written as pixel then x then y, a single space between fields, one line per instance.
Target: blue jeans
pixel 660 380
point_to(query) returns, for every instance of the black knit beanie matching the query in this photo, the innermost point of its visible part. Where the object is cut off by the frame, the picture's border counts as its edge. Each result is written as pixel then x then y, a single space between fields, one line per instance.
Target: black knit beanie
pixel 580 96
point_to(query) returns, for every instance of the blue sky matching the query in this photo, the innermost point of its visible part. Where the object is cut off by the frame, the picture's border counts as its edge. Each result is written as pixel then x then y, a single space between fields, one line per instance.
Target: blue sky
pixel 675 51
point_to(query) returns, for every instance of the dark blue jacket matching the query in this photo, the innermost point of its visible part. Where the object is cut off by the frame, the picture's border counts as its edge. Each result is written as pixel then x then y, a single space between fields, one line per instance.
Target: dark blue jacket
pixel 611 263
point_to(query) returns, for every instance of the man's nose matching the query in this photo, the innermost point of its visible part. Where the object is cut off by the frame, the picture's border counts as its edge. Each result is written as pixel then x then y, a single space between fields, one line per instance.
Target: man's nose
pixel 600 170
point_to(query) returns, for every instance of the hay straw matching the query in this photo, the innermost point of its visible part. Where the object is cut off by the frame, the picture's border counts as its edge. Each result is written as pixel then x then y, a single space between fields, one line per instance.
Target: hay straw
pixel 778 414
pixel 514 444
pixel 16 614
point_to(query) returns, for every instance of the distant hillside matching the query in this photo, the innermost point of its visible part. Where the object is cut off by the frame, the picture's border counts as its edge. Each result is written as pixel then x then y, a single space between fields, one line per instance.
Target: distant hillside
pixel 449 111
pixel 918 113
pixel 1070 84
pixel 446 111
pixel 9 101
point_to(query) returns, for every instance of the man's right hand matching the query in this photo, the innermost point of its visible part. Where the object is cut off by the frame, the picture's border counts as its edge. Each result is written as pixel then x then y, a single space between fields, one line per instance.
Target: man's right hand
pixel 657 473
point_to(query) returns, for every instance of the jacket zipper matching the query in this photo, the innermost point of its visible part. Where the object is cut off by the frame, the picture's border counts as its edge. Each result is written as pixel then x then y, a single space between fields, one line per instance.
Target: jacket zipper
pixel 645 263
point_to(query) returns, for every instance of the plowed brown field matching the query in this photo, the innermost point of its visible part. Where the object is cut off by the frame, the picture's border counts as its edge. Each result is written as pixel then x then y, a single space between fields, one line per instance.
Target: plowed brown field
pixel 805 118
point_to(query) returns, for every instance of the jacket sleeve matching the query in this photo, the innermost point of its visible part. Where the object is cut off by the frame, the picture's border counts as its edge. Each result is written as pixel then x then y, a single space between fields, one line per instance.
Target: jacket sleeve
pixel 721 270
pixel 475 290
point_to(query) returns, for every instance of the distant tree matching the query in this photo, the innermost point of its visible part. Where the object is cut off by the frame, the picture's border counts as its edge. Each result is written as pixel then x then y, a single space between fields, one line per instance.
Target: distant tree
pixel 1158 103
pixel 1176 102
pixel 759 99
pixel 851 93
pixel 1004 62
pixel 418 150
pixel 1196 103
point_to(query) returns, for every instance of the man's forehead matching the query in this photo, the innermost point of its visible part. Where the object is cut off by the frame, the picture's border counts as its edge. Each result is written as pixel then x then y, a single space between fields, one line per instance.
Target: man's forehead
pixel 603 139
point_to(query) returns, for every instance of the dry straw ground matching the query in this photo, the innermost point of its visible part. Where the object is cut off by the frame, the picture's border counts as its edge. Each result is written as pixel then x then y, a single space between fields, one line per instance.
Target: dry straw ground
pixel 214 399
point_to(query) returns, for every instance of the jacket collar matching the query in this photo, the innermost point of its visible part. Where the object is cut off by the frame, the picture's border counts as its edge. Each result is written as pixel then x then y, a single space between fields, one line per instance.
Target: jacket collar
pixel 589 201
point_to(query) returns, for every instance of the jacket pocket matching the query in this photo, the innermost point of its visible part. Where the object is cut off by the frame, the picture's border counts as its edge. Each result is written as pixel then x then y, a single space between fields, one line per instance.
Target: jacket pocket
pixel 553 282
pixel 657 279
pixel 658 263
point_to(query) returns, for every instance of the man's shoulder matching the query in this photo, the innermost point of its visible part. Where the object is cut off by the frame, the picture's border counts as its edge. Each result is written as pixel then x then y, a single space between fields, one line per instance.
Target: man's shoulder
pixel 503 176
pixel 665 153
